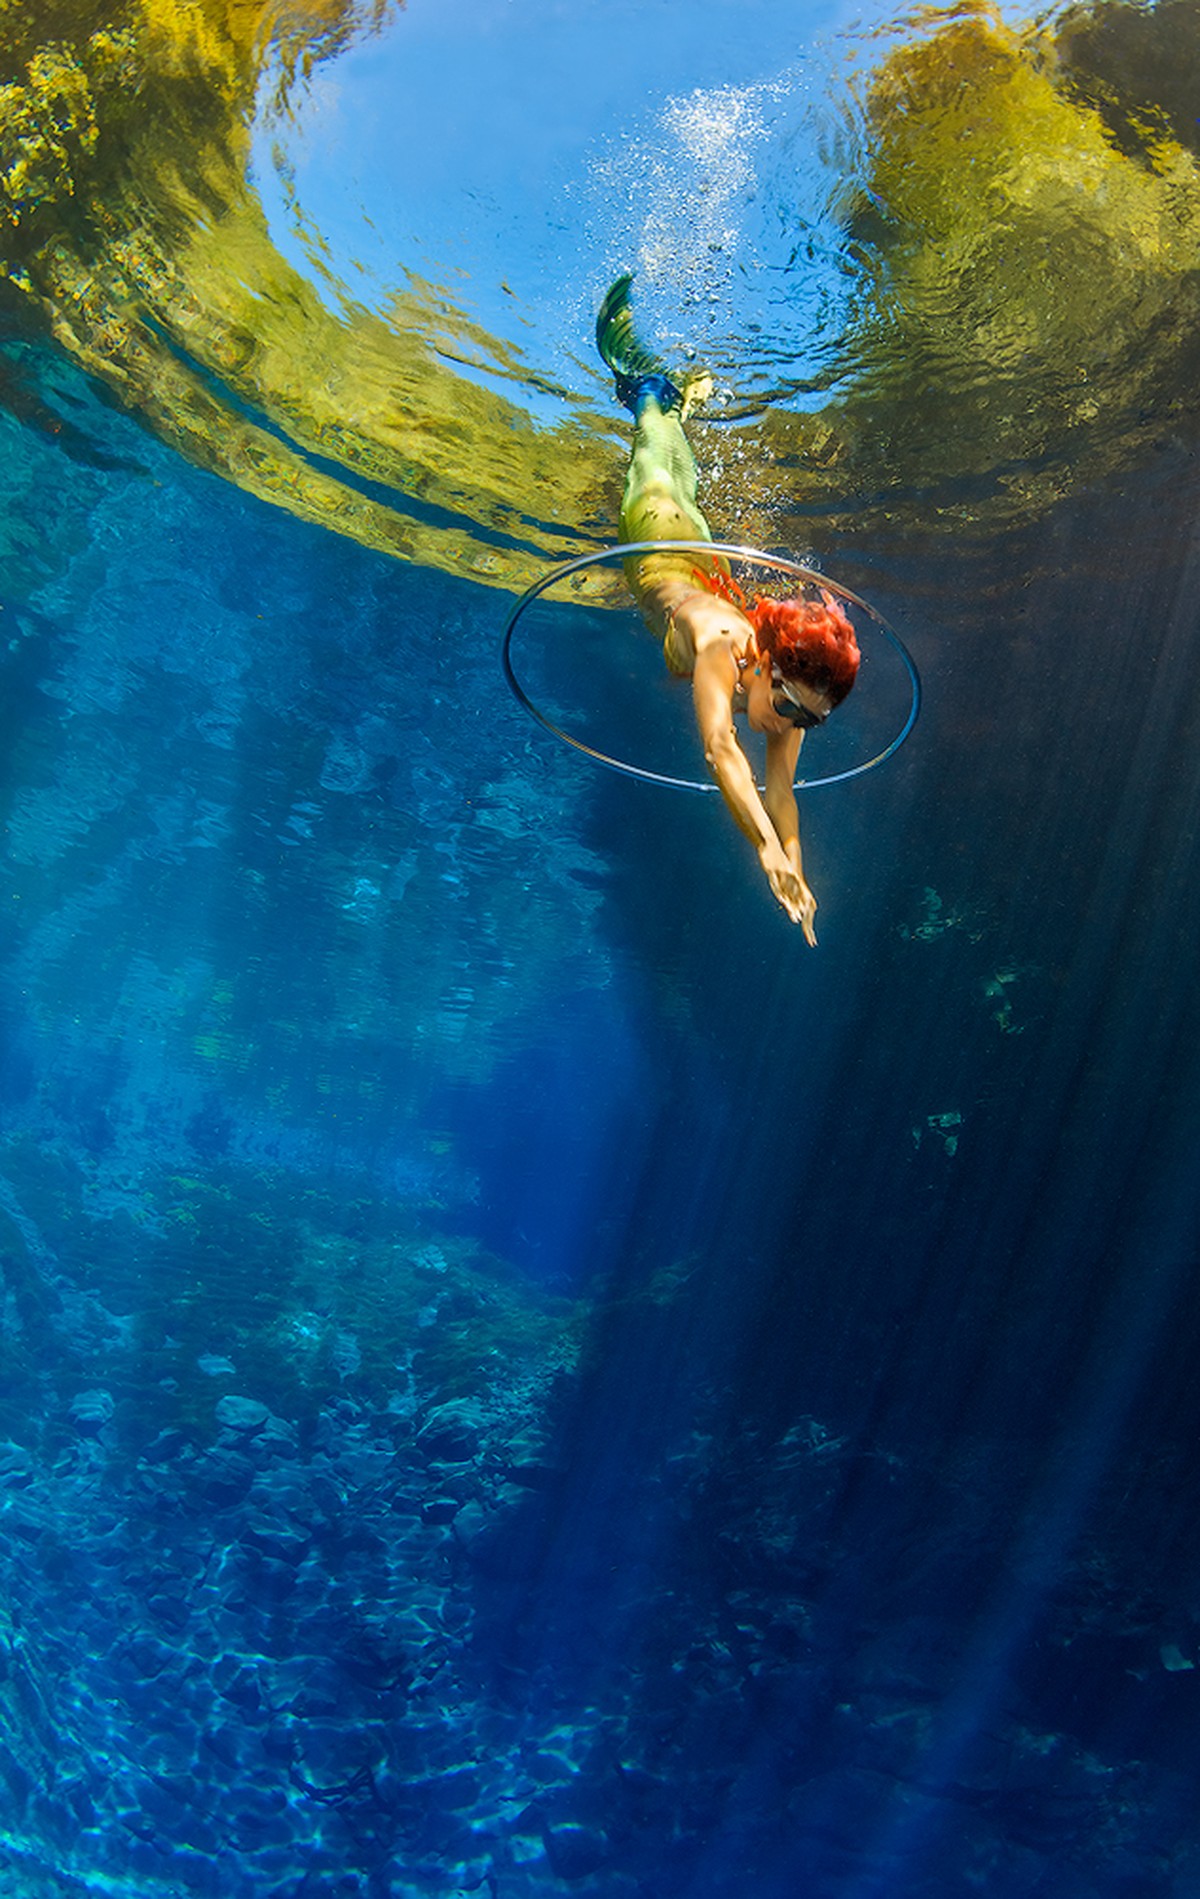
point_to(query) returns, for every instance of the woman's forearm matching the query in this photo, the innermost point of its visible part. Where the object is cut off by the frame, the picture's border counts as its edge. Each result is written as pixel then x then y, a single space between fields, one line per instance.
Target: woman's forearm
pixel 783 753
pixel 731 769
pixel 781 809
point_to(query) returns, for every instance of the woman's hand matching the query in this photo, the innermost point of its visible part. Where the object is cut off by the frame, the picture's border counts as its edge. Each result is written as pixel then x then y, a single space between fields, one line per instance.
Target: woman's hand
pixel 789 888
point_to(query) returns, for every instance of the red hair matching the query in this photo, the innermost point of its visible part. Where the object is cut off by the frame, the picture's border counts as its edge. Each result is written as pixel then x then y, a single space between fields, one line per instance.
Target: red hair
pixel 811 640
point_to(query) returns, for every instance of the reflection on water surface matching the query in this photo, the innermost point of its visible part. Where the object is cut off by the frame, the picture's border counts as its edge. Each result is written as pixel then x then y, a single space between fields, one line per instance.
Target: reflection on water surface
pixel 943 266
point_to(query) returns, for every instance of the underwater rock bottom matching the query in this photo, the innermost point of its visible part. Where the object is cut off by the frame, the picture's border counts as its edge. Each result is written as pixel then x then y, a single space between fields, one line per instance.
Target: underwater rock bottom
pixel 364 1659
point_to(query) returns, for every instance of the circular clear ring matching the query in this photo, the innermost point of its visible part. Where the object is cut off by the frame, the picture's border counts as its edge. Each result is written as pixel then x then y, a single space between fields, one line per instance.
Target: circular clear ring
pixel 775 563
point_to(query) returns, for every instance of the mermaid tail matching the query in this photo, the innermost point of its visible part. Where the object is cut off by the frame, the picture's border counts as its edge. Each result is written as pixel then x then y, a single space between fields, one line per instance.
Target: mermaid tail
pixel 638 371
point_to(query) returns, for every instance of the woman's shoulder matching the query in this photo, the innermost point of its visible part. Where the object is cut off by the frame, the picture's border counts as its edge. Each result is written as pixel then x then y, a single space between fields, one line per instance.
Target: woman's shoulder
pixel 713 622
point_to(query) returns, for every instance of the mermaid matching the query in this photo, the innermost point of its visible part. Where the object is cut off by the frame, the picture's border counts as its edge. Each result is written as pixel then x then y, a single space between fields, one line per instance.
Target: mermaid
pixel 782 664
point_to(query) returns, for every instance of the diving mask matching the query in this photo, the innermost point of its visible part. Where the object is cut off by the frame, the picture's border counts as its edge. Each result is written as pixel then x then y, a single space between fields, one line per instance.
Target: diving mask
pixel 787 703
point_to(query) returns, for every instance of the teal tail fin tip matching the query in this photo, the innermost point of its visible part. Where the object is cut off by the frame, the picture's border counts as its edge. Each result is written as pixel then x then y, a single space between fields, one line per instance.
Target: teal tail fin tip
pixel 637 370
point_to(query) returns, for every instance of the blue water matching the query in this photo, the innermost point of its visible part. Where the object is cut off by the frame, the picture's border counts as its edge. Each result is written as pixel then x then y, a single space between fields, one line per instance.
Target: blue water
pixel 516 1376
pixel 516 160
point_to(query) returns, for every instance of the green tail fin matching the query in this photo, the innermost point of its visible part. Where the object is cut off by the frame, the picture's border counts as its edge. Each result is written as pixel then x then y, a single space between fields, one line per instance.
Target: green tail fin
pixel 616 338
pixel 637 370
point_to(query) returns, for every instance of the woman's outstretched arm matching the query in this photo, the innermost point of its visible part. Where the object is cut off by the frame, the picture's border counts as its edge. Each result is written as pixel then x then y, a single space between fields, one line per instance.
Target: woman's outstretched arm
pixel 713 684
pixel 783 752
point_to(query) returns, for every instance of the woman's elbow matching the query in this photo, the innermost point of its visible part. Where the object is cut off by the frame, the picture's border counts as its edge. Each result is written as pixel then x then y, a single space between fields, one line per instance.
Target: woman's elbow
pixel 720 749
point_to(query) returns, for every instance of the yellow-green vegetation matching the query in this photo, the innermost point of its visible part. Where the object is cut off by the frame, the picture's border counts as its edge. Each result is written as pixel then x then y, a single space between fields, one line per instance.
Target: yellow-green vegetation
pixel 1027 237
pixel 133 228
pixel 1036 293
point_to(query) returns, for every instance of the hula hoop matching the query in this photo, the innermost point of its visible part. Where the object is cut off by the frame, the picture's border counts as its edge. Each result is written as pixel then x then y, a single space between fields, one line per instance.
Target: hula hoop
pixel 778 563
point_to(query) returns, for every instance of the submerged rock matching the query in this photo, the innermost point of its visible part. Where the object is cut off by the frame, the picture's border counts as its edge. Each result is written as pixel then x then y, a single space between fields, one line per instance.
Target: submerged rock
pixel 91 1411
pixel 214 1366
pixel 241 1414
pixel 440 1509
pixel 450 1434
pixel 576 1851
